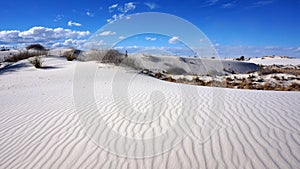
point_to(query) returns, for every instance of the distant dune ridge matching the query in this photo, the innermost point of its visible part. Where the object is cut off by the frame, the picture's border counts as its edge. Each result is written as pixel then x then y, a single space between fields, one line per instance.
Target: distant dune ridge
pixel 188 66
pixel 42 127
pixel 177 65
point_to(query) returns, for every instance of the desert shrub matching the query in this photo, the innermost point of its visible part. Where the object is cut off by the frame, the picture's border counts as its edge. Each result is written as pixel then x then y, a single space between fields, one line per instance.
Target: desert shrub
pixel 4 49
pixel 104 56
pixel 23 55
pixel 36 47
pixel 229 79
pixel 265 70
pixel 268 70
pixel 112 56
pixel 260 80
pixel 72 54
pixel 293 87
pixel 242 58
pixel 69 55
pixel 36 62
pixel 276 78
pixel 168 79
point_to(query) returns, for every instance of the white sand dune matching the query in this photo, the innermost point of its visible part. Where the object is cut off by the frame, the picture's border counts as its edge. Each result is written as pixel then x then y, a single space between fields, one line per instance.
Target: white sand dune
pixel 184 65
pixel 275 60
pixel 42 125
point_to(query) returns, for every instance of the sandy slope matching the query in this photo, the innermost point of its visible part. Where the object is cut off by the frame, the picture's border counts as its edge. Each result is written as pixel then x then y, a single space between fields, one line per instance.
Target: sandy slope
pixel 184 65
pixel 40 127
pixel 276 60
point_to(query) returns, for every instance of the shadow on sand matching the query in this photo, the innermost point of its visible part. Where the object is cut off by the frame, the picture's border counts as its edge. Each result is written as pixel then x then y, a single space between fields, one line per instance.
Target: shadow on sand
pixel 15 67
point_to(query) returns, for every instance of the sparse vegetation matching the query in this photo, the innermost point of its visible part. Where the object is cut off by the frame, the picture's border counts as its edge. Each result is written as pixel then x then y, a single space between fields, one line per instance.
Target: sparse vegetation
pixel 112 56
pixel 70 55
pixel 4 48
pixel 273 69
pixel 251 81
pixel 104 56
pixel 23 55
pixel 242 58
pixel 36 62
pixel 36 47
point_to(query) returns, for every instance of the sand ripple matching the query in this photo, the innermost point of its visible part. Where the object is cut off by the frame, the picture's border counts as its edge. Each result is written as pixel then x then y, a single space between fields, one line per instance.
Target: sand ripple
pixel 41 128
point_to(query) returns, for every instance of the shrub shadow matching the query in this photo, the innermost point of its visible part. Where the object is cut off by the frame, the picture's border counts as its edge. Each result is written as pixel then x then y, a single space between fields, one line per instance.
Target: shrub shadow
pixel 12 68
pixel 15 67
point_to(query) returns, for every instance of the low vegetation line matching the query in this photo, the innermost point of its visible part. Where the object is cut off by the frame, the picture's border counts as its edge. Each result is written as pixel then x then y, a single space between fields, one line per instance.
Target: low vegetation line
pixel 278 78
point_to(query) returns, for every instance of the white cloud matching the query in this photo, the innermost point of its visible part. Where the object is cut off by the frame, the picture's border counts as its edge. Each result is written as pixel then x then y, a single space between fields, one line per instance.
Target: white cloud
pixel 110 20
pixel 115 17
pixel 112 7
pixel 40 35
pixel 94 44
pixel 76 43
pixel 173 40
pixel 298 49
pixel 107 33
pixel 122 37
pixel 58 18
pixel 123 10
pixel 90 14
pixel 150 39
pixel 71 42
pixel 130 6
pixel 151 5
pixel 210 3
pixel 260 4
pixel 70 23
pixel 228 5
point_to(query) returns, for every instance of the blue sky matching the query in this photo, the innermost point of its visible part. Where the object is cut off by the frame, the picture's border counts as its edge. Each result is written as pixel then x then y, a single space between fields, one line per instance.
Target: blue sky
pixel 235 27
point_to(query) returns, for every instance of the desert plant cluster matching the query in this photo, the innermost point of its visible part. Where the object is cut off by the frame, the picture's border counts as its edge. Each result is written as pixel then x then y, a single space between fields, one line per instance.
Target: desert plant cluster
pixel 72 54
pixel 36 61
pixel 21 55
pixel 279 78
pixel 38 47
pixel 110 56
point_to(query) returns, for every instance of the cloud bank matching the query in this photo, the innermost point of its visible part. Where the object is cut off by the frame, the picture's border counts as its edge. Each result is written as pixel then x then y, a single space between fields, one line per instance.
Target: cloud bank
pixel 38 34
